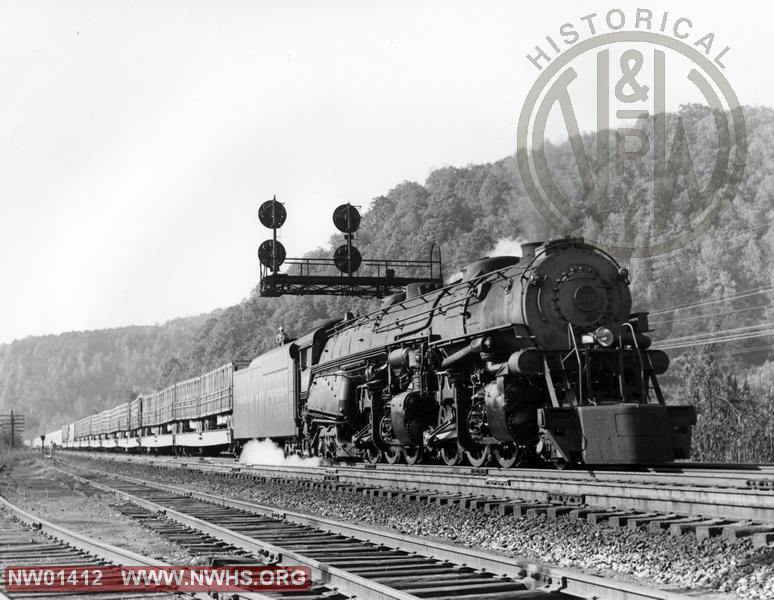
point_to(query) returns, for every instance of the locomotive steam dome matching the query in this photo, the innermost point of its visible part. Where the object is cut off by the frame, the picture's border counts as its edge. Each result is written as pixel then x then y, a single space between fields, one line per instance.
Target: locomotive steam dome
pixel 572 283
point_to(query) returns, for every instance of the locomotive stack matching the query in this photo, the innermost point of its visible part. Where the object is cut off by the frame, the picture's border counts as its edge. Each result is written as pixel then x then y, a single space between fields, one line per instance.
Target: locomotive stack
pixel 520 360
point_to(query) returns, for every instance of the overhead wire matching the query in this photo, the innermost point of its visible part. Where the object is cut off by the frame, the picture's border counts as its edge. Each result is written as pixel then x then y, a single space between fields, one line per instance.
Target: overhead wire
pixel 729 298
pixel 709 315
pixel 708 341
pixel 712 338
pixel 718 332
pixel 741 350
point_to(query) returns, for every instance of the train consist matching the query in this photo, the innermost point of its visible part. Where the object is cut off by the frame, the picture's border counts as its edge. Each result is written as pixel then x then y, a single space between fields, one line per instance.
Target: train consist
pixel 515 360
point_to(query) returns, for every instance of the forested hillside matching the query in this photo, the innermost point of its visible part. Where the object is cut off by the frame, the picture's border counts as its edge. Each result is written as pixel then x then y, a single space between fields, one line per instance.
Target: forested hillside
pixel 54 379
pixel 725 276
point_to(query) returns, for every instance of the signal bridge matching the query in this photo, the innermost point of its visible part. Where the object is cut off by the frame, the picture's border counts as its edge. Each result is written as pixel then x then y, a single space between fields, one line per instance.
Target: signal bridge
pixel 346 273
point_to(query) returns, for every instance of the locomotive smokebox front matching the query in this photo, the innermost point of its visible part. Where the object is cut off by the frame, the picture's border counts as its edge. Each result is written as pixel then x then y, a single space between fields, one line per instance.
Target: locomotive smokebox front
pixel 571 283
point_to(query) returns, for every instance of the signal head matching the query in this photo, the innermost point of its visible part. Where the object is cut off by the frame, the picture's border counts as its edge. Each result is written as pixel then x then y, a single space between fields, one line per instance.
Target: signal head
pixel 347 259
pixel 346 218
pixel 271 254
pixel 272 214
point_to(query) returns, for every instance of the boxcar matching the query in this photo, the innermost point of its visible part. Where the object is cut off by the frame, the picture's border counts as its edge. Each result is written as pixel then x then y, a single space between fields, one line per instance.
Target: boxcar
pixel 167 404
pixel 118 419
pixel 218 389
pixel 100 423
pixel 53 437
pixel 187 399
pixel 135 414
pixel 265 396
pixel 82 428
pixel 151 409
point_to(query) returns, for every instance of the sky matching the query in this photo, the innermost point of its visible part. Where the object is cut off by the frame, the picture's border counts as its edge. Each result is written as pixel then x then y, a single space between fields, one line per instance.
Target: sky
pixel 137 139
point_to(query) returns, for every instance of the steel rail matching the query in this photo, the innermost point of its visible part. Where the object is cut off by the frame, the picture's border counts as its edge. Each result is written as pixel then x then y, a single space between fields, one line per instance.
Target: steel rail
pixel 100 549
pixel 97 548
pixel 688 474
pixel 602 489
pixel 554 579
pixel 350 583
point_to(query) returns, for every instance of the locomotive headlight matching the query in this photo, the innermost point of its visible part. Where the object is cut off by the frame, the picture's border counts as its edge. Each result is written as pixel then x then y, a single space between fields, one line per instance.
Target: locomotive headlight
pixel 604 337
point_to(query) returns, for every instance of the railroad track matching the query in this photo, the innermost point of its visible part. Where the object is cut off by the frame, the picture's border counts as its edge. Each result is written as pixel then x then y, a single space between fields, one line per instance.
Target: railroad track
pixel 215 551
pixel 27 540
pixel 370 563
pixel 728 475
pixel 713 503
pixel 692 475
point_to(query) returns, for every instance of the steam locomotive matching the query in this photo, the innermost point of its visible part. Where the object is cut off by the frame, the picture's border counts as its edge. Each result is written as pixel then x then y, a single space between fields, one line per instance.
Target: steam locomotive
pixel 518 360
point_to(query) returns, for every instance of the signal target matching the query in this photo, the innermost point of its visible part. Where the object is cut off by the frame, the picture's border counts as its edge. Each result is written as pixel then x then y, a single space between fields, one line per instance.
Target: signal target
pixel 347 259
pixel 272 214
pixel 271 254
pixel 346 218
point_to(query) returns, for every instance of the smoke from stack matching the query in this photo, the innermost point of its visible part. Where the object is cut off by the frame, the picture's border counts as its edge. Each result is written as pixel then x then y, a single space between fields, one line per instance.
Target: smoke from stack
pixel 508 247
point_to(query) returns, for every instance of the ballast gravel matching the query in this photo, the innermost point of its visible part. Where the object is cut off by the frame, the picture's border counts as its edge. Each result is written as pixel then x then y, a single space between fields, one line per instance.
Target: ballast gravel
pixel 32 484
pixel 713 568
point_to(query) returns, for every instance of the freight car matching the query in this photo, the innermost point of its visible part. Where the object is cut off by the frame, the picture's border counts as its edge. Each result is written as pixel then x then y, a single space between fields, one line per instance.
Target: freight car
pixel 518 359
pixel 193 415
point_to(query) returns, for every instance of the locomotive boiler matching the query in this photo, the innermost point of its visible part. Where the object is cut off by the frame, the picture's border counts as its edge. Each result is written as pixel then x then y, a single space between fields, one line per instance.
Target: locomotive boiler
pixel 536 358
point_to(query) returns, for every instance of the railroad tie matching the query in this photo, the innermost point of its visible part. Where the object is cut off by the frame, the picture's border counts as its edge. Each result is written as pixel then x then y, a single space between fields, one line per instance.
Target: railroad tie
pixel 681 528
pixel 519 509
pixel 559 510
pixel 656 526
pixel 736 532
pixel 599 517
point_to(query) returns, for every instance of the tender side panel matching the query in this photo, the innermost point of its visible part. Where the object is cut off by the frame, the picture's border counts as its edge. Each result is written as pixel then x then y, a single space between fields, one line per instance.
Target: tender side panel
pixel 264 396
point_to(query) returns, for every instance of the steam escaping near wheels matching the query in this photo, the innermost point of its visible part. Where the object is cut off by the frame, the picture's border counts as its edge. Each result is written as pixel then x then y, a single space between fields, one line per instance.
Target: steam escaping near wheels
pixel 267 453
